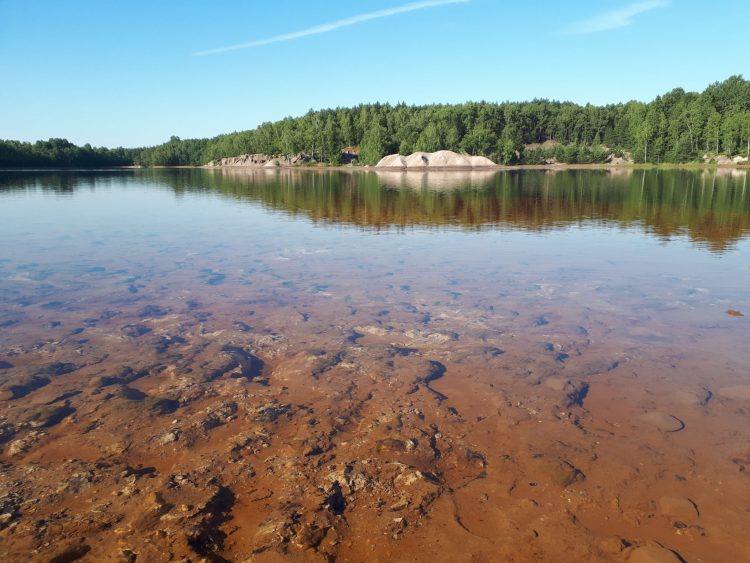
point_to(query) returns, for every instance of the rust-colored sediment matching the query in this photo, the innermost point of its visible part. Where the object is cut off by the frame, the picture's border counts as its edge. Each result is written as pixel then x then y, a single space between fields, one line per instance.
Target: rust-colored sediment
pixel 325 427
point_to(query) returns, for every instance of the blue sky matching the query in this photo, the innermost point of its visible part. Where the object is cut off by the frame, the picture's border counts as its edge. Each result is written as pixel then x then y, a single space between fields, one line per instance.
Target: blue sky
pixel 128 73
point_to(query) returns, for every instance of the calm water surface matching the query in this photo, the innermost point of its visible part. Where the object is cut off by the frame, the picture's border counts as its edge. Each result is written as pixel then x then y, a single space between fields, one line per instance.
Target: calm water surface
pixel 617 294
pixel 674 244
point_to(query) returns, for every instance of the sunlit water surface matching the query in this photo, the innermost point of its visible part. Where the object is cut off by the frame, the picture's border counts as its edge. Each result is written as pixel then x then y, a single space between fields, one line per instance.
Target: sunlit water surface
pixel 634 279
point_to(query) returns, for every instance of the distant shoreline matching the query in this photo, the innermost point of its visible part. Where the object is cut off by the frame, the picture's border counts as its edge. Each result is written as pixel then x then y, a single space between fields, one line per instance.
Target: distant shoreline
pixel 498 167
pixel 324 167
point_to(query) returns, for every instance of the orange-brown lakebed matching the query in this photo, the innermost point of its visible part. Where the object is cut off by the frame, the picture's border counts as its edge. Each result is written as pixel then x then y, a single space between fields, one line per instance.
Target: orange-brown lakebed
pixel 232 365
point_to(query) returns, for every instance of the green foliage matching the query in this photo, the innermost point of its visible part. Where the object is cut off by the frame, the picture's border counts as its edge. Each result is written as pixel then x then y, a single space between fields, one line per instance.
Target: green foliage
pixel 374 145
pixel 507 151
pixel 567 154
pixel 175 152
pixel 61 153
pixel 676 127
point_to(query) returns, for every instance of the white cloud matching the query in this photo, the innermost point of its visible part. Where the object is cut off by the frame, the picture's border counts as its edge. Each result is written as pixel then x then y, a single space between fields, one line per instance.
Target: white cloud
pixel 331 26
pixel 616 18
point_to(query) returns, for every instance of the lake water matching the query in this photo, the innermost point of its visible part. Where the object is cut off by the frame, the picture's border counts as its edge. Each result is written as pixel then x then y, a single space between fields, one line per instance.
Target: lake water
pixel 531 365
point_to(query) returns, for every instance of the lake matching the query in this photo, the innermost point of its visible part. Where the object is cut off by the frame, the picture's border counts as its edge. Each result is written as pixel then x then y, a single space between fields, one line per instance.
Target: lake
pixel 515 365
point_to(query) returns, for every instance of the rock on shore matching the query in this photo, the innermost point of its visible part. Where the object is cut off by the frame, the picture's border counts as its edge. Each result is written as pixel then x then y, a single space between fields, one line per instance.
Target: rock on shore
pixel 260 160
pixel 439 159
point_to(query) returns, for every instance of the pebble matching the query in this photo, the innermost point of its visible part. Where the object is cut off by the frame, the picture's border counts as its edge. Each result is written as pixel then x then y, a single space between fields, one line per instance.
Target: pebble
pixel 169 437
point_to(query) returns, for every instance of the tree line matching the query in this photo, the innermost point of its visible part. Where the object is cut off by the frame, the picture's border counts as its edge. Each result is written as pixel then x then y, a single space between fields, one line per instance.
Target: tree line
pixel 676 127
pixel 62 153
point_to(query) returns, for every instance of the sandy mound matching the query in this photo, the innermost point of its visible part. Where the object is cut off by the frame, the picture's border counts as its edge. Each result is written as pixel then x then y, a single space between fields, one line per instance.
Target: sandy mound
pixel 480 161
pixel 449 159
pixel 418 160
pixel 392 161
pixel 439 159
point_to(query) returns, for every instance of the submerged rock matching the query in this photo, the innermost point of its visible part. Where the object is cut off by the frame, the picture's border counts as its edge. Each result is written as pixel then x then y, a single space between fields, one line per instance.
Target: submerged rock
pixel 51 415
pixel 70 553
pixel 55 369
pixel 678 507
pixel 136 330
pixel 10 504
pixel 653 554
pixel 575 393
pixel 563 473
pixel 22 445
pixel 169 437
pixel 272 533
pixel 215 416
pixel 126 393
pixel 153 311
pixel 310 536
pixel 663 421
pixel 234 362
pixel 164 406
pixel 23 386
pixel 698 398
pixel 7 431
pixel 273 411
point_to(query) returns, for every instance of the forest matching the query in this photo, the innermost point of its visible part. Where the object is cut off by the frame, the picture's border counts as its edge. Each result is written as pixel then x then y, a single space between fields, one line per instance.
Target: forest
pixel 677 127
pixel 62 153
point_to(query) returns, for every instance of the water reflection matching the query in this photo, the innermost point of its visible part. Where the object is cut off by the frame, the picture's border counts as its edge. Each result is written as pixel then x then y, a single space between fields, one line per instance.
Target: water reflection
pixel 711 207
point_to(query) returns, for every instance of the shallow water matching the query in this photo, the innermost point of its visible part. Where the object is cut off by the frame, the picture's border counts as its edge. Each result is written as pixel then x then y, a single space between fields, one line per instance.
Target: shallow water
pixel 554 353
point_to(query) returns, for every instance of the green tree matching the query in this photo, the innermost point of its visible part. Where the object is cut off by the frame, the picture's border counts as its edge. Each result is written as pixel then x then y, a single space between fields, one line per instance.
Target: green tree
pixel 374 144
pixel 429 140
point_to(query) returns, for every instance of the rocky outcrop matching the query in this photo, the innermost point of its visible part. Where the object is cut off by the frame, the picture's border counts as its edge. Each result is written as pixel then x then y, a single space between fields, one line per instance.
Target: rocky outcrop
pixel 260 160
pixel 625 159
pixel 724 160
pixel 437 160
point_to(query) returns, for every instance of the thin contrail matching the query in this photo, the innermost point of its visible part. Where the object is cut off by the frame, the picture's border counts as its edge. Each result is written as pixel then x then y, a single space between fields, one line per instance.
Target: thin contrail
pixel 622 17
pixel 326 27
